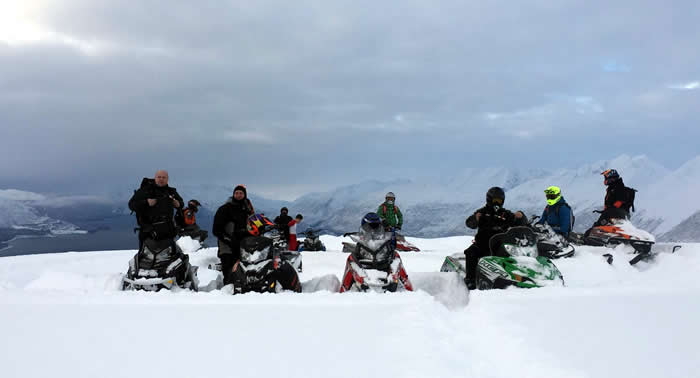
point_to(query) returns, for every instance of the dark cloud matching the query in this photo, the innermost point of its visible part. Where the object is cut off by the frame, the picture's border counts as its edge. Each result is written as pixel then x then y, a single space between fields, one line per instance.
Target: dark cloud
pixel 316 94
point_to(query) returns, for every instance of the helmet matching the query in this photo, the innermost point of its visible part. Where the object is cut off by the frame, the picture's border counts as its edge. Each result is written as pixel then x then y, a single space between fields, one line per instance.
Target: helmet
pixel 284 210
pixel 553 194
pixel 257 224
pixel 610 175
pixel 495 196
pixel 193 203
pixel 371 226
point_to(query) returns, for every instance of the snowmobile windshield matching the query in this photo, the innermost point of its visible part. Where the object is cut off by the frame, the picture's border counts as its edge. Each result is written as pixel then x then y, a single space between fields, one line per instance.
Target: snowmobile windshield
pixel 255 256
pixel 372 231
pixel 520 250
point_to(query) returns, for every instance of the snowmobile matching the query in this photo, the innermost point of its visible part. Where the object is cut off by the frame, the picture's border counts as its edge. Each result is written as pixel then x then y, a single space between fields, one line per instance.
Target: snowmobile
pixel 515 262
pixel 549 243
pixel 160 264
pixel 404 245
pixel 263 269
pixel 312 241
pixel 374 265
pixel 616 231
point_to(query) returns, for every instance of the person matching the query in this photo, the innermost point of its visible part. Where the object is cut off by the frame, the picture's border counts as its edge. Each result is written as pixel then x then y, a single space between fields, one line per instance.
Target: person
pixel 230 227
pixel 389 213
pixel 557 214
pixel 188 222
pixel 154 203
pixel 282 223
pixel 292 227
pixel 490 220
pixel 619 199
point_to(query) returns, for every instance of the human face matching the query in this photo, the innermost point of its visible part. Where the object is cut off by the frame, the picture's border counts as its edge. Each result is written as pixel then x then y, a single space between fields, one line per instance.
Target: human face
pixel 238 195
pixel 161 178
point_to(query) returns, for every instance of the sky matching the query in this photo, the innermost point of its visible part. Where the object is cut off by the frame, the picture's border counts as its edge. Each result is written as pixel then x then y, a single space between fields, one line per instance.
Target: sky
pixel 292 97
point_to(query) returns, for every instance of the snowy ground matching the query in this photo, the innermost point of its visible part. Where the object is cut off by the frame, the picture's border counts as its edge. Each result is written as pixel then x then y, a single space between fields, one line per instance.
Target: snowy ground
pixel 61 315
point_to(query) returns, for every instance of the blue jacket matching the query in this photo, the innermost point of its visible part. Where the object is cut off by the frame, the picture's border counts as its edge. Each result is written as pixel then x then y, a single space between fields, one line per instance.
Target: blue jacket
pixel 558 217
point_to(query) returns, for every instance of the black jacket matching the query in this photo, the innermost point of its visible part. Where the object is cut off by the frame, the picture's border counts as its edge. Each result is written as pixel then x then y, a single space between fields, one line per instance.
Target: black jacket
pixel 492 221
pixel 282 223
pixel 231 219
pixel 616 196
pixel 161 213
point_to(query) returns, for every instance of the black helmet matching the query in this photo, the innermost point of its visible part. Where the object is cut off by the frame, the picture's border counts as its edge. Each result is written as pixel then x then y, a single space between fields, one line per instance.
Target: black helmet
pixel 284 210
pixel 610 175
pixel 495 196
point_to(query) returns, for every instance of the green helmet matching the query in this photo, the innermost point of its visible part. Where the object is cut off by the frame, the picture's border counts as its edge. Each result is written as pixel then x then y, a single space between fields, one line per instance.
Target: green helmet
pixel 553 194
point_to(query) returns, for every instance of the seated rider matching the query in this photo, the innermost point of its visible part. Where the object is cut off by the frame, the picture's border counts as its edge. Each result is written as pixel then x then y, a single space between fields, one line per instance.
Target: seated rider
pixel 490 220
pixel 188 222
pixel 557 214
pixel 282 223
pixel 619 199
pixel 389 213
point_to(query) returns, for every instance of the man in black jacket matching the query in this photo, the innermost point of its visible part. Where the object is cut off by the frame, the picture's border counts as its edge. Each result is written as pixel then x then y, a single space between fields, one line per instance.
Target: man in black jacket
pixel 154 203
pixel 229 227
pixel 282 223
pixel 619 199
pixel 490 220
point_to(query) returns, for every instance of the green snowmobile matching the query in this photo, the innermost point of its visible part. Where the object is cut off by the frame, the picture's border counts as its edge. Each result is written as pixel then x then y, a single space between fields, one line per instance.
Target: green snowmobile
pixel 515 262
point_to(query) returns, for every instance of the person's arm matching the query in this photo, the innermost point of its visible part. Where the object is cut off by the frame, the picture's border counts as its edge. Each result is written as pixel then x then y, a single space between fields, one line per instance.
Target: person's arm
pixel 138 202
pixel 180 201
pixel 219 227
pixel 543 217
pixel 381 213
pixel 399 216
pixel 473 220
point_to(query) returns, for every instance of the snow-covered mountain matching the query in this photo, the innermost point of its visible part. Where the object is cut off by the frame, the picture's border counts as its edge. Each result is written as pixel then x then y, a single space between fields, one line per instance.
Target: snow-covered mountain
pixel 433 206
pixel 21 215
pixel 437 206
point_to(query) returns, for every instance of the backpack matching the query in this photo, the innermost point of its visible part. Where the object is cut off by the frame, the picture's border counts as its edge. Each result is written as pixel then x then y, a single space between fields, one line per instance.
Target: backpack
pixel 629 198
pixel 188 217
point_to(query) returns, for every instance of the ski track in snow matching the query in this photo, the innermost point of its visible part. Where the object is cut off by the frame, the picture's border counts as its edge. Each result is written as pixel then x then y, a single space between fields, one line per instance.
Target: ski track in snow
pixel 62 315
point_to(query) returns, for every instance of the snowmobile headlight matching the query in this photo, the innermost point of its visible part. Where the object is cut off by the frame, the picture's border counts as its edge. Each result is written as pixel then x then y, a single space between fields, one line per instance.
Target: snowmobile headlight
pixel 384 253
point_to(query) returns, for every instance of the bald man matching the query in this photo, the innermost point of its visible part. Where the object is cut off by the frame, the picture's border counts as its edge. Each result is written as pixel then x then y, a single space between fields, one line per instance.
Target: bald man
pixel 154 204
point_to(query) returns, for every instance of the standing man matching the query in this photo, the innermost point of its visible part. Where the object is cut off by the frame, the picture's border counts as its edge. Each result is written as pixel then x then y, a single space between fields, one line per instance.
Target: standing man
pixel 230 223
pixel 282 223
pixel 389 213
pixel 154 204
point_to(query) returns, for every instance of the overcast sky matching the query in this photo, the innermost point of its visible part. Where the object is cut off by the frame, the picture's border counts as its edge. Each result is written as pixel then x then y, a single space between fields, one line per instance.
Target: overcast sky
pixel 294 96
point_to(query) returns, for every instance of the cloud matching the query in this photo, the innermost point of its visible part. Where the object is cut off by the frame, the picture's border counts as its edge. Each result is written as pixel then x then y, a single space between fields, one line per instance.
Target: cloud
pixel 92 87
pixel 689 86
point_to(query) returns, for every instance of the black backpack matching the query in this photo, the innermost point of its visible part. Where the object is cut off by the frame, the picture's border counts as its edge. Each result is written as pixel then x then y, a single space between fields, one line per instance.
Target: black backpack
pixel 629 198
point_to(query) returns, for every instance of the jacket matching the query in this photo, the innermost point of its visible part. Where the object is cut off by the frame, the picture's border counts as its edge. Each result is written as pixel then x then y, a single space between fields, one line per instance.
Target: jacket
pixel 390 215
pixel 493 220
pixel 558 216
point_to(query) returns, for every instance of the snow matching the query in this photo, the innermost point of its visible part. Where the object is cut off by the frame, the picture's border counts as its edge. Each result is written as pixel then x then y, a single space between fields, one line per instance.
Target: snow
pixel 63 316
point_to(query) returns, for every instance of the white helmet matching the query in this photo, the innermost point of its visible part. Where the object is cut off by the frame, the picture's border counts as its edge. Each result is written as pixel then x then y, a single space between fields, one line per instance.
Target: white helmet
pixel 390 195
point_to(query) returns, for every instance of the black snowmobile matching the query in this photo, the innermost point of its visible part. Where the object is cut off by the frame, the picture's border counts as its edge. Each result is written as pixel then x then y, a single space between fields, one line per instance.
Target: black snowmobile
pixel 160 264
pixel 263 269
pixel 549 243
pixel 312 241
pixel 265 265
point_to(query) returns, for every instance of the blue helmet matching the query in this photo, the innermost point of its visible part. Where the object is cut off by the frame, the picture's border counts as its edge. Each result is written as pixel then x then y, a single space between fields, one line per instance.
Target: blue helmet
pixel 371 226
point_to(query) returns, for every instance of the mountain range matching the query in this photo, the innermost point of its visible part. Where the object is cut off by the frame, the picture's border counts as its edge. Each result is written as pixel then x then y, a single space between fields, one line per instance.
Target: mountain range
pixel 433 206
